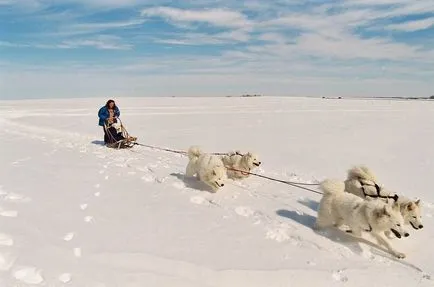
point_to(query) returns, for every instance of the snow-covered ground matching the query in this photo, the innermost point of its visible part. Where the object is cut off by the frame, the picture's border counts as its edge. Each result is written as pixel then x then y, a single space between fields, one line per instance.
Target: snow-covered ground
pixel 74 213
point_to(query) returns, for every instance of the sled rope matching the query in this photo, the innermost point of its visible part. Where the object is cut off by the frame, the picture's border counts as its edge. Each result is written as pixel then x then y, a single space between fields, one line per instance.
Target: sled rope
pixel 173 150
pixel 291 183
pixel 162 149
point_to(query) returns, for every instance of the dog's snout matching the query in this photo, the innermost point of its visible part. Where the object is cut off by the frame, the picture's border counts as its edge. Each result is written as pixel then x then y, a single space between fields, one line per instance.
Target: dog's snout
pixel 421 226
pixel 406 235
pixel 222 184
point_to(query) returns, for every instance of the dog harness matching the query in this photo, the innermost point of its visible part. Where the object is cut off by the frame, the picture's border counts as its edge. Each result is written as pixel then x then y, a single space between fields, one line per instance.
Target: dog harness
pixel 378 189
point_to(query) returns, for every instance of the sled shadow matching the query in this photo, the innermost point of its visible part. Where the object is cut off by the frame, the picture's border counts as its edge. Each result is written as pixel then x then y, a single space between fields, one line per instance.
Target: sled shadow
pixel 312 204
pixel 98 142
pixel 192 182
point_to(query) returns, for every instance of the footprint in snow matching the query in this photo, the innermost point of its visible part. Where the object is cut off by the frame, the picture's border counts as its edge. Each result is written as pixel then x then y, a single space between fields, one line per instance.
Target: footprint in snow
pixel 148 178
pixel 106 177
pixel 14 197
pixel 339 276
pixel 244 211
pixel 77 252
pixel 29 275
pixel 6 261
pixel 97 185
pixel 199 200
pixel 83 206
pixel 311 263
pixel 178 185
pixel 97 194
pixel 161 179
pixel 281 234
pixel 18 161
pixel 69 236
pixel 6 240
pixel 89 219
pixel 8 213
pixel 65 278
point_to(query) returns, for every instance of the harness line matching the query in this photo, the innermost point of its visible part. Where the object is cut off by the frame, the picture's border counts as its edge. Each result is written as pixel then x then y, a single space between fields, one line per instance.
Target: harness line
pixel 378 189
pixel 291 183
pixel 294 184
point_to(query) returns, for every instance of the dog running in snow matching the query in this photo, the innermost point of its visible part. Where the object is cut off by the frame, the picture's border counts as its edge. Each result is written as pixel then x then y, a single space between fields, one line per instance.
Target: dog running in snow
pixel 208 168
pixel 240 165
pixel 374 216
pixel 362 182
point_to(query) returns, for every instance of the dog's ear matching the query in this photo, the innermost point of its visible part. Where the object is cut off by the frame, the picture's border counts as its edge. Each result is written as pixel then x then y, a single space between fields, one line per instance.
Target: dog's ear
pixel 417 202
pixel 213 172
pixel 411 206
pixel 383 212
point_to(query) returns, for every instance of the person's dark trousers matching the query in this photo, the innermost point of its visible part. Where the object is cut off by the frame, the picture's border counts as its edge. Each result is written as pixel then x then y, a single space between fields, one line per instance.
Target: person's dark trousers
pixel 106 137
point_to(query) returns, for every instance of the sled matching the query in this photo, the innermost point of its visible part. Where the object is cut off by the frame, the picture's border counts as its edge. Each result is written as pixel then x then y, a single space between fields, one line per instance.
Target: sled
pixel 118 136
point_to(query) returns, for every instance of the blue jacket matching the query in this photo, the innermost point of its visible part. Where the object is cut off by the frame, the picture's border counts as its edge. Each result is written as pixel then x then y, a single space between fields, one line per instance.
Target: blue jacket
pixel 104 114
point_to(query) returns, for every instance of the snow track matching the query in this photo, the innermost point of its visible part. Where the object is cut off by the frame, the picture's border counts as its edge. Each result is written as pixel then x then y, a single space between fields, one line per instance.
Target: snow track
pixel 74 213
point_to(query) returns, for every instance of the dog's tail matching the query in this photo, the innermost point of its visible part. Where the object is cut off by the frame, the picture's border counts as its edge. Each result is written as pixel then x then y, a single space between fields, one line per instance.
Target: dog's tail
pixel 361 172
pixel 331 186
pixel 194 152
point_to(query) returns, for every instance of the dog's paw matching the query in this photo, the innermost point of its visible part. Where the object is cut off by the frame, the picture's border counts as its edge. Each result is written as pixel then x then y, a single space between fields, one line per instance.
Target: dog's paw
pixel 399 255
pixel 389 235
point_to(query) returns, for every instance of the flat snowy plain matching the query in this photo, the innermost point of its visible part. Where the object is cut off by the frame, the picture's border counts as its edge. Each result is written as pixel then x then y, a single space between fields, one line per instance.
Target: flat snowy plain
pixel 75 213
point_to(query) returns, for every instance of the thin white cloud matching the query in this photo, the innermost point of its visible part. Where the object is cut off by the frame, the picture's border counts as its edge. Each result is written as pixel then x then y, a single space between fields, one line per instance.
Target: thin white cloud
pixel 412 26
pixel 92 28
pixel 101 42
pixel 217 17
pixel 230 37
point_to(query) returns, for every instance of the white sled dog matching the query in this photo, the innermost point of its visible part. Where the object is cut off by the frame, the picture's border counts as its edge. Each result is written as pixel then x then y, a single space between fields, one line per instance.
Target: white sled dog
pixel 243 163
pixel 338 207
pixel 208 168
pixel 362 182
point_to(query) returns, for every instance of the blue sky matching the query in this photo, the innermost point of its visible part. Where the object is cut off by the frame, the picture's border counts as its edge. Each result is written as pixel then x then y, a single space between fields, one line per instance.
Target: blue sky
pixel 115 48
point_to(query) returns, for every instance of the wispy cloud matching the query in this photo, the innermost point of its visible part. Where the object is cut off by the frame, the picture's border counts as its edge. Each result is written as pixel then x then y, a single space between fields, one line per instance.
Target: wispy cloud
pixel 411 26
pixel 230 37
pixel 215 16
pixel 242 44
pixel 101 42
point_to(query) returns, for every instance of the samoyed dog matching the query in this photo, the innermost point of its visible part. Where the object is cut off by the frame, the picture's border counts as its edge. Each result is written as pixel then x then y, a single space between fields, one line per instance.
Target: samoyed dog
pixel 239 165
pixel 362 182
pixel 374 216
pixel 208 168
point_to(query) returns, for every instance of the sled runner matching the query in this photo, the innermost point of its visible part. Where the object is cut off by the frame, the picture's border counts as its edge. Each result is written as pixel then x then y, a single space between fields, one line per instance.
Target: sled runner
pixel 117 135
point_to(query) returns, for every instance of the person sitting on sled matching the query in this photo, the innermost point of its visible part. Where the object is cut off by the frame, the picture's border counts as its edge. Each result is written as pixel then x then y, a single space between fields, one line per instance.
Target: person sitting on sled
pixel 115 130
pixel 108 113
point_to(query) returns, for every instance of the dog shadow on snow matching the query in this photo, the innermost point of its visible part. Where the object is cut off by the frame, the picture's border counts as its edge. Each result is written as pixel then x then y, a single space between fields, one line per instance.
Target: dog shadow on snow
pixel 334 234
pixel 312 204
pixel 192 182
